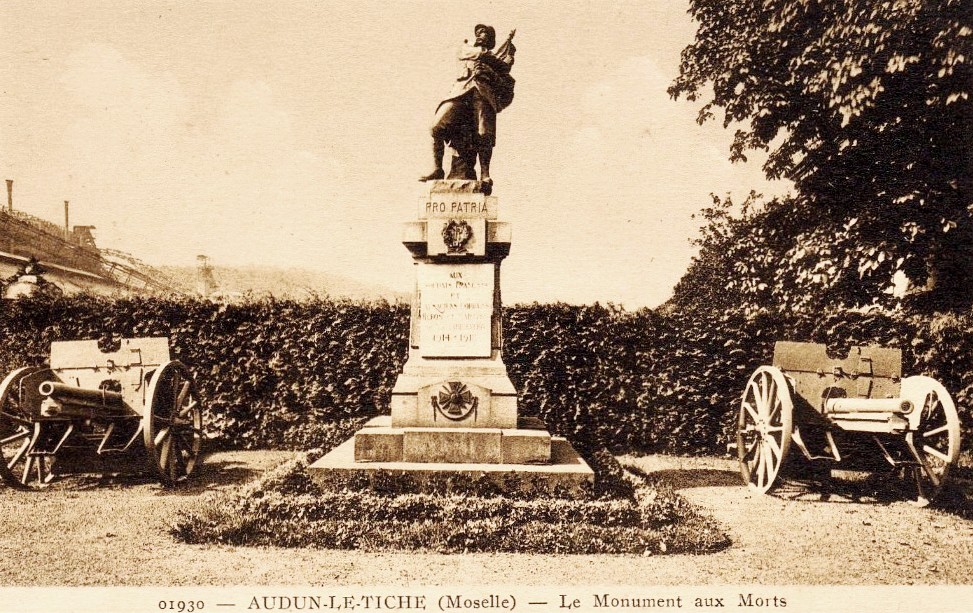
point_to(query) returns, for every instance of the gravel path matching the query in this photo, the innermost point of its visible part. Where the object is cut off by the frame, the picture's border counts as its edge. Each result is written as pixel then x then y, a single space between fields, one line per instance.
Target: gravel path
pixel 89 531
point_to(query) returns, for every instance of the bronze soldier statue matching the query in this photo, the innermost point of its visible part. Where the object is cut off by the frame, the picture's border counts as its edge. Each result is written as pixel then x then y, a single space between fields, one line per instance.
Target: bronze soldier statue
pixel 467 117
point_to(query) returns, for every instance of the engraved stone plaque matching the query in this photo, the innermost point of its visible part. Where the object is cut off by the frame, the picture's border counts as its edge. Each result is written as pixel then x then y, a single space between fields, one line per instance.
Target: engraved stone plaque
pixel 458 206
pixel 455 310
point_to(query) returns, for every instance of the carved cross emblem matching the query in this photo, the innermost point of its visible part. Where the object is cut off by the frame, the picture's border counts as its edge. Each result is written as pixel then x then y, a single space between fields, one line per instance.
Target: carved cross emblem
pixel 455 402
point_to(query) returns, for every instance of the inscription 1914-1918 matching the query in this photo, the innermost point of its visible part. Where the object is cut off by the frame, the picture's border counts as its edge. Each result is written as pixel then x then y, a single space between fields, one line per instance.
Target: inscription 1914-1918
pixel 455 310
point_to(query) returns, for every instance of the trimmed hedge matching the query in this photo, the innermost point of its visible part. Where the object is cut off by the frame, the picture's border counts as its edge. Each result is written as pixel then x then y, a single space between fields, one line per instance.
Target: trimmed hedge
pixel 271 371
pixel 648 381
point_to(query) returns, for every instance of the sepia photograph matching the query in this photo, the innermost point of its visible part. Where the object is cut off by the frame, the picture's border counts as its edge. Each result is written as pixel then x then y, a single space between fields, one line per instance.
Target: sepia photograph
pixel 486 305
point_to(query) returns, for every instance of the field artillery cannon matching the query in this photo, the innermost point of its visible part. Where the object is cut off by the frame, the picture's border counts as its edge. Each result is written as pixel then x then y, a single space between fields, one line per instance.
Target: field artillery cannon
pixel 103 401
pixel 861 403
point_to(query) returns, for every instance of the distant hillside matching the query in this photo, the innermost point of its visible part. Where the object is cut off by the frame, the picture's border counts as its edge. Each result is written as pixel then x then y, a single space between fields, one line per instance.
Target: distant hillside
pixel 294 283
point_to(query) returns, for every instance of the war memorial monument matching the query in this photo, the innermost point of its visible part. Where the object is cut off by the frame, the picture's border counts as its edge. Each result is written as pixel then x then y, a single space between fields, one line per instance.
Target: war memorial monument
pixel 454 411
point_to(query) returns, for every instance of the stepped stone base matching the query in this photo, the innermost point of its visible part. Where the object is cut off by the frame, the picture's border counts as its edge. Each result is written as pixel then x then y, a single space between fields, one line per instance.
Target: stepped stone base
pixel 567 476
pixel 464 445
pixel 502 461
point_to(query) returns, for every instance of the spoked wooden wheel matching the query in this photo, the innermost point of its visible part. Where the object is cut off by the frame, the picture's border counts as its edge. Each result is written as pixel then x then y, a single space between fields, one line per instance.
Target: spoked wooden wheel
pixel 19 433
pixel 173 423
pixel 936 440
pixel 764 428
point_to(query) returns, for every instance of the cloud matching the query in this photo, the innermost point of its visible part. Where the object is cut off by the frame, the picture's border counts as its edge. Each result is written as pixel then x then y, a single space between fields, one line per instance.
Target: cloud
pixel 123 112
pixel 634 169
pixel 166 178
pixel 264 198
pixel 630 123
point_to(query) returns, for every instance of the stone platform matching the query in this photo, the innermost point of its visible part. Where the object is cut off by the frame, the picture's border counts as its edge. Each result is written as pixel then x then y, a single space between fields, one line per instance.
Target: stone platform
pixel 478 445
pixel 567 475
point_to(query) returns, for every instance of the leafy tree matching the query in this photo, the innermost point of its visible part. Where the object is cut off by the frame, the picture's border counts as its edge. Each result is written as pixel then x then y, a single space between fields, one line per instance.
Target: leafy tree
pixel 724 274
pixel 866 106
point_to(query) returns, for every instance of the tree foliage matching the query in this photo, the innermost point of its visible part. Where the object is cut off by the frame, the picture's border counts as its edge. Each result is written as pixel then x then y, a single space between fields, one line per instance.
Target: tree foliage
pixel 737 267
pixel 866 106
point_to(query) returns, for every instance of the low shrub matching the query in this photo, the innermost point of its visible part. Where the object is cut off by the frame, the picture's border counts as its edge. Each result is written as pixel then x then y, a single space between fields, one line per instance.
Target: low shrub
pixel 286 509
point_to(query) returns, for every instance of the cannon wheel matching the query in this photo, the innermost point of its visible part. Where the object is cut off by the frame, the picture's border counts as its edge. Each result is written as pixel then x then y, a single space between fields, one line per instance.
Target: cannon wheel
pixel 18 433
pixel 173 423
pixel 764 428
pixel 936 440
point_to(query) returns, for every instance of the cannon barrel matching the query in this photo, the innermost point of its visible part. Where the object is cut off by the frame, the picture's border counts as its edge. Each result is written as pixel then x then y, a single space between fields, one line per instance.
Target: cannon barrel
pixel 867 405
pixel 69 395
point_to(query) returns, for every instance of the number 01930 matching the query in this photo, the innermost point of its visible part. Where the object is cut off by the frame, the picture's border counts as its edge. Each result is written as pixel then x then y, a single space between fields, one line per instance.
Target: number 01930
pixel 181 606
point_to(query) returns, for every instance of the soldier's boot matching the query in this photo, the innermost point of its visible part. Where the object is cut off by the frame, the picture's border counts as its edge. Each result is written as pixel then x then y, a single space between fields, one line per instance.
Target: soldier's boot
pixel 438 149
pixel 486 154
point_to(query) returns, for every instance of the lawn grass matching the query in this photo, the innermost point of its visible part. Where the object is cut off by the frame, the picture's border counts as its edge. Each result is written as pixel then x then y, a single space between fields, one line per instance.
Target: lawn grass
pixel 285 508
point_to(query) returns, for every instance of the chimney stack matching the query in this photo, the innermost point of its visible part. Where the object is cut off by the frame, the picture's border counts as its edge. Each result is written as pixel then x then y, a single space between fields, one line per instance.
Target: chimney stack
pixel 67 234
pixel 10 195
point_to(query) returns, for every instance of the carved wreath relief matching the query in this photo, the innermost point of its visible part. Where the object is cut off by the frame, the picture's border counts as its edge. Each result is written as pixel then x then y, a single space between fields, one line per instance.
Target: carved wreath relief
pixel 456 235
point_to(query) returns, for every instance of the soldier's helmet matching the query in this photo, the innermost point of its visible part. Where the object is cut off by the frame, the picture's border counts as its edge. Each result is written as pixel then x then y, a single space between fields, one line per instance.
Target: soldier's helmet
pixel 491 34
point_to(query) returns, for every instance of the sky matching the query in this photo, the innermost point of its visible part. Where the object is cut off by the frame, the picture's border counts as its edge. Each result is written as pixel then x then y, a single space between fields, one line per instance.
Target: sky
pixel 293 133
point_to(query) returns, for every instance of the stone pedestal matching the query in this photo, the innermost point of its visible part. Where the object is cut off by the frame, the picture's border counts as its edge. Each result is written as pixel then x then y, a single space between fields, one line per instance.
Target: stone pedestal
pixel 453 406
